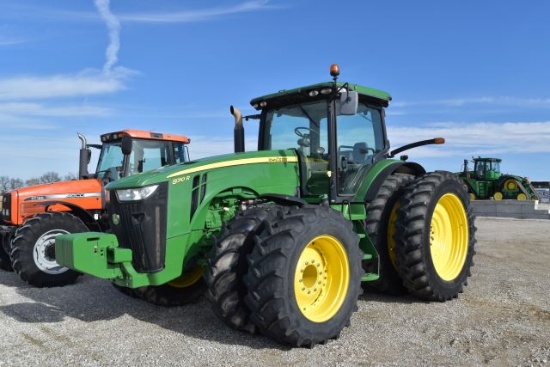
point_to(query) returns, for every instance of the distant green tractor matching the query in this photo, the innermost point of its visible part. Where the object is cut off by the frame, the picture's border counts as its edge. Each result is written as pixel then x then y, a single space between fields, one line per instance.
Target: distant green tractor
pixel 282 238
pixel 486 182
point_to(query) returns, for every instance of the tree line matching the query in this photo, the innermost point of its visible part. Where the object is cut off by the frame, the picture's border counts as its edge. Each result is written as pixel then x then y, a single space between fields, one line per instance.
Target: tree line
pixel 9 183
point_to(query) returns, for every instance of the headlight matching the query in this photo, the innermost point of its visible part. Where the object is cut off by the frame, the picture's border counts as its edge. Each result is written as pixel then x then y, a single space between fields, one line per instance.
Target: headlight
pixel 141 193
pixel 107 196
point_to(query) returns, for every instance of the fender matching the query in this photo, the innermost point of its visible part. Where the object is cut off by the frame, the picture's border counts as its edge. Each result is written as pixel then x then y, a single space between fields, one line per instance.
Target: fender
pixel 79 212
pixel 284 199
pixel 411 168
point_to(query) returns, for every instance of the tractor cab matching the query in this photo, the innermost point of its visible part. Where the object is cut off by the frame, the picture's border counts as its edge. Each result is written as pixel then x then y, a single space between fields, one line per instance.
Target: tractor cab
pixel 129 152
pixel 487 168
pixel 337 130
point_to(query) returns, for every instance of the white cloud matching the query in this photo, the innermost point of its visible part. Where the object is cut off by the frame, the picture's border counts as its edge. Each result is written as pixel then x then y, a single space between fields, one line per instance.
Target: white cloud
pixel 37 109
pixel 9 41
pixel 186 16
pixel 195 15
pixel 86 83
pixel 478 138
pixel 113 25
pixel 11 123
pixel 8 36
pixel 495 101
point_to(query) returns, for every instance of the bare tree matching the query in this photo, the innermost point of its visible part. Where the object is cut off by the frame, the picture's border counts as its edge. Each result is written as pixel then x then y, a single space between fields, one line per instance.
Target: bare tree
pixel 16 183
pixel 32 182
pixel 49 177
pixel 70 176
pixel 4 184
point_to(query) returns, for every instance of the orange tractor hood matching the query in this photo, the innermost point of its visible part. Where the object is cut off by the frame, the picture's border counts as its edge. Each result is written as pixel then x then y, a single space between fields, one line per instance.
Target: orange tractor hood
pixel 55 196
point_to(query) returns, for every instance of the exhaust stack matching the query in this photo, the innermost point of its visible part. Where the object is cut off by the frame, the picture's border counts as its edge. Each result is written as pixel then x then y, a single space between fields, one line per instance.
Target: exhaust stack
pixel 238 132
pixel 84 158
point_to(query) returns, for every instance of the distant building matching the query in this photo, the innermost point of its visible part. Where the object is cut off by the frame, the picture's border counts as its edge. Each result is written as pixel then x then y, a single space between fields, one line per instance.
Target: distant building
pixel 543 190
pixel 544 194
pixel 541 184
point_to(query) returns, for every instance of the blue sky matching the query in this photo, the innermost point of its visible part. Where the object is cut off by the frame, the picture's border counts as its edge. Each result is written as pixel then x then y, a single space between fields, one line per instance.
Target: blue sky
pixel 474 72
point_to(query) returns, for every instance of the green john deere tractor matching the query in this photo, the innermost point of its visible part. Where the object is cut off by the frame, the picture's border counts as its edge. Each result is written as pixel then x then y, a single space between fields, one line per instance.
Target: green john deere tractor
pixel 486 181
pixel 284 239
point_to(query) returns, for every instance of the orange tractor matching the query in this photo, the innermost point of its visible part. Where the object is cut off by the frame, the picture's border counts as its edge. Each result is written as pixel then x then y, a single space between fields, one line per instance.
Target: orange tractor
pixel 33 216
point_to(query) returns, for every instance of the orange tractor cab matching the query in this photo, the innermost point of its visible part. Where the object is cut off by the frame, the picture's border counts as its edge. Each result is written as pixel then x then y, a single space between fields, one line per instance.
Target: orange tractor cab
pixel 33 216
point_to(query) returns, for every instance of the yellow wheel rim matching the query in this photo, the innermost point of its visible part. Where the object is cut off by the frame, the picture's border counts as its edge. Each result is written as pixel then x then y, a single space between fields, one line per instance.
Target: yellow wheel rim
pixel 522 196
pixel 188 278
pixel 511 185
pixel 498 195
pixel 391 232
pixel 449 237
pixel 322 278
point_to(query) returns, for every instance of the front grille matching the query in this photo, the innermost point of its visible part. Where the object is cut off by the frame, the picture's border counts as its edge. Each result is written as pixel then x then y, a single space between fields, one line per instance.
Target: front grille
pixel 6 207
pixel 142 229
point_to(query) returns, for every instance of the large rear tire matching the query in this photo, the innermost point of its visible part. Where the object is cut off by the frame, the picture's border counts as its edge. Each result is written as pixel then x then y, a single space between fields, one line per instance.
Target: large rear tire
pixel 185 289
pixel 5 260
pixel 380 227
pixel 227 266
pixel 435 237
pixel 304 276
pixel 33 249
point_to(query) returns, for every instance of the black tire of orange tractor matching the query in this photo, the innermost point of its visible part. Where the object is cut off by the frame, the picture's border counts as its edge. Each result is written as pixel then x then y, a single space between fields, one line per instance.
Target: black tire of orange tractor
pixel 290 315
pixel 227 265
pixel 435 237
pixel 37 238
pixel 380 228
pixel 5 260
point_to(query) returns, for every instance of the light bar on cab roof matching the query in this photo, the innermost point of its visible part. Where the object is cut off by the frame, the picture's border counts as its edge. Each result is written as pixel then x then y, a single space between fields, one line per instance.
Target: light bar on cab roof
pixel 112 136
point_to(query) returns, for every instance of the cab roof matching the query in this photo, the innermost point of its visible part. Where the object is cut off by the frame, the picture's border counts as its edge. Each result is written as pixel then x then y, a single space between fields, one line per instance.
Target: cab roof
pixel 488 159
pixel 144 134
pixel 302 94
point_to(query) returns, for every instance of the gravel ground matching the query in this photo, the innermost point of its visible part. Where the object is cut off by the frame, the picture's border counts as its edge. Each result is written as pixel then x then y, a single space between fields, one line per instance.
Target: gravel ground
pixel 502 319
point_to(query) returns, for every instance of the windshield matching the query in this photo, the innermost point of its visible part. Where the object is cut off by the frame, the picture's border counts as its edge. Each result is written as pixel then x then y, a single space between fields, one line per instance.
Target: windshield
pixel 146 155
pixel 304 128
pixel 110 160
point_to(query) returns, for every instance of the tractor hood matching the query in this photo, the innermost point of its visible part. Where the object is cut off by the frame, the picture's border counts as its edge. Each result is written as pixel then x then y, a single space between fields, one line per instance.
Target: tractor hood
pixel 22 203
pixel 60 190
pixel 182 172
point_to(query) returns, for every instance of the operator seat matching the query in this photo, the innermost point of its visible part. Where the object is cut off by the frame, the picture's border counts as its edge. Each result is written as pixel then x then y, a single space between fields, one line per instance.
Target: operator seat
pixel 360 153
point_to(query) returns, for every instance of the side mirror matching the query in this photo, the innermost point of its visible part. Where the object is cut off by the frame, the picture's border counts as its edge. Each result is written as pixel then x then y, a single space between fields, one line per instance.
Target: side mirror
pixel 349 100
pixel 126 145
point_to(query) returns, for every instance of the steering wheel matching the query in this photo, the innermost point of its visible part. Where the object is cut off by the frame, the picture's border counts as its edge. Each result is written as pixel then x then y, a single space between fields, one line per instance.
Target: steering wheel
pixel 298 131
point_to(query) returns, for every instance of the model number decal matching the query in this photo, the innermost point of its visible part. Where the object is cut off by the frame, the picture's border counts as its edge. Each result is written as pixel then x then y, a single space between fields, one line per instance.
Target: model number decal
pixel 277 160
pixel 180 180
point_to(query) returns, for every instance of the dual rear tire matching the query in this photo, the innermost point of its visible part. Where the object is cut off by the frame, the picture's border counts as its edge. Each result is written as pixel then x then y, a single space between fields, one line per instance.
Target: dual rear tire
pixel 435 237
pixel 301 281
pixel 424 233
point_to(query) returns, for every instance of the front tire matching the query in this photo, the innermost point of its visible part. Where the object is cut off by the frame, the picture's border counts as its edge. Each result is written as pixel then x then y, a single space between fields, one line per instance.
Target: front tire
pixel 435 237
pixel 304 276
pixel 185 289
pixel 33 249
pixel 227 266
